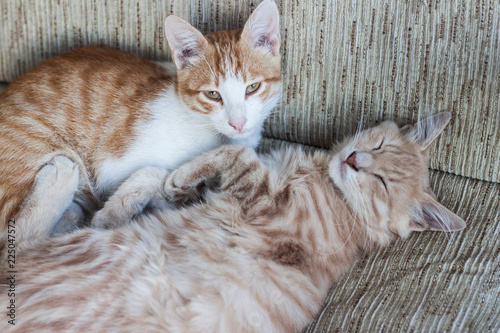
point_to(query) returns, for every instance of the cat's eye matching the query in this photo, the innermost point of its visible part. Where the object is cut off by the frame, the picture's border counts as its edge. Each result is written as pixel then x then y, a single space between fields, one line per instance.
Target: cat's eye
pixel 382 180
pixel 212 95
pixel 379 146
pixel 252 88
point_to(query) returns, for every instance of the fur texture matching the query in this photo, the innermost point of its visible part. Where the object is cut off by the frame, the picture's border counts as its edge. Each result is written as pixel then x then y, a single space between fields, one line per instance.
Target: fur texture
pixel 112 113
pixel 257 254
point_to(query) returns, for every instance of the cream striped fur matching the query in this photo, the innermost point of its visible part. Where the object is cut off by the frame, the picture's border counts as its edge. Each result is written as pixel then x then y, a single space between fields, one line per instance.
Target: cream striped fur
pixel 257 253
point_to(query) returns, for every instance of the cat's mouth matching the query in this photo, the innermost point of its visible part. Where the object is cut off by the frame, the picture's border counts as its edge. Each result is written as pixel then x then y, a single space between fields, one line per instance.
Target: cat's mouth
pixel 243 134
pixel 344 168
pixel 348 163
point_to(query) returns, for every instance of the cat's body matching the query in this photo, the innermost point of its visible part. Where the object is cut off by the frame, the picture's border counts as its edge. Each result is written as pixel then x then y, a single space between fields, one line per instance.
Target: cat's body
pixel 112 113
pixel 258 255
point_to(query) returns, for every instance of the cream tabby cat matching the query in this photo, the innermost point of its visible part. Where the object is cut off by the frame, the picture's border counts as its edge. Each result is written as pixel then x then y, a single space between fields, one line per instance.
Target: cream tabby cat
pixel 106 114
pixel 258 255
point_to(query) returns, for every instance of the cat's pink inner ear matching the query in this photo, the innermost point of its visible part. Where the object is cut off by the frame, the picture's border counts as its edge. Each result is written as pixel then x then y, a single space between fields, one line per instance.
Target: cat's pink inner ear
pixel 434 216
pixel 184 40
pixel 262 28
pixel 426 131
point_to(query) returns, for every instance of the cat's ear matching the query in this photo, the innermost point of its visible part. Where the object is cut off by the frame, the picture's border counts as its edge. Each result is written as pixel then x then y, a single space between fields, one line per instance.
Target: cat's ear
pixel 431 215
pixel 262 28
pixel 184 40
pixel 426 131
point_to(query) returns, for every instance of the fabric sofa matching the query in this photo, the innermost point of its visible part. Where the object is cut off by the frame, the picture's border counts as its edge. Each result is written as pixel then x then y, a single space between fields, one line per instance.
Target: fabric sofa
pixel 346 63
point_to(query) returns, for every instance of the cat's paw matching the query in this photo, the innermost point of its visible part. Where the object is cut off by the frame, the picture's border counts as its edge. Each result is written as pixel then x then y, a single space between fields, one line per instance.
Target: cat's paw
pixel 143 188
pixel 181 186
pixel 109 217
pixel 118 211
pixel 52 193
pixel 57 181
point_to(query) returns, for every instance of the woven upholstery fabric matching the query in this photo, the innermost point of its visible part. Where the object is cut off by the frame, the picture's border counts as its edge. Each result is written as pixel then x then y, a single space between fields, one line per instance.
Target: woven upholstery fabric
pixel 430 282
pixel 348 63
pixel 344 62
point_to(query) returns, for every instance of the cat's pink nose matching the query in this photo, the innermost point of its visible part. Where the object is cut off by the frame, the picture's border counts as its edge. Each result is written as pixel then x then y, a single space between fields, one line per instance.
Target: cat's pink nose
pixel 351 161
pixel 238 125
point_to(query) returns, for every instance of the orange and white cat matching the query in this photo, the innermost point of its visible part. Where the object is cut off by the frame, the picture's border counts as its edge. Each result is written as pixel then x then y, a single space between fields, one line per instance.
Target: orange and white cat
pixel 259 254
pixel 105 114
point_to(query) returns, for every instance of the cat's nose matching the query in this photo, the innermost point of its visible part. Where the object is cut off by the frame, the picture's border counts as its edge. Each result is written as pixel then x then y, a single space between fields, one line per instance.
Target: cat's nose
pixel 351 161
pixel 238 125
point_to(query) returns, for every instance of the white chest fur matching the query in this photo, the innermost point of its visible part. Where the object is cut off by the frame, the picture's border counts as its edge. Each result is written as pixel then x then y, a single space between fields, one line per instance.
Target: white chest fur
pixel 173 136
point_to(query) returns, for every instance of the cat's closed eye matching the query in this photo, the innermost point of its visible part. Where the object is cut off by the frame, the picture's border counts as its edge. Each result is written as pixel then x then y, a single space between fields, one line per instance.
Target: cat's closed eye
pixel 380 145
pixel 381 179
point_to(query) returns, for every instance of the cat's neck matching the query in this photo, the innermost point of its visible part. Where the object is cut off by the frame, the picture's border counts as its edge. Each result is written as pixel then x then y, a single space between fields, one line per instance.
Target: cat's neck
pixel 332 232
pixel 343 236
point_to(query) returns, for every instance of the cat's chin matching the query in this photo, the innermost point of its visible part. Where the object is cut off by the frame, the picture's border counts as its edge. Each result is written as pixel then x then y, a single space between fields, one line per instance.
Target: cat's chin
pixel 240 135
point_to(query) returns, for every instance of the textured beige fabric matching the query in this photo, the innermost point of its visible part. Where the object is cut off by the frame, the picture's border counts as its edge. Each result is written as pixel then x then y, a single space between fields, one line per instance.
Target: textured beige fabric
pixel 430 282
pixel 343 61
pixel 347 62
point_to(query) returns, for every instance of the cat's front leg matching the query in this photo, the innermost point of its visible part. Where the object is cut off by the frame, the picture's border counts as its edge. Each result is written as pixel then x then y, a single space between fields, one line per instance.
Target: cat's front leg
pixel 143 188
pixel 52 194
pixel 232 166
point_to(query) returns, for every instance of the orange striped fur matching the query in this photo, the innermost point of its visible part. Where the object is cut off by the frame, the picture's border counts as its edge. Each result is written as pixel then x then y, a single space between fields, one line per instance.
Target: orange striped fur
pixel 83 105
pixel 258 254
pixel 113 113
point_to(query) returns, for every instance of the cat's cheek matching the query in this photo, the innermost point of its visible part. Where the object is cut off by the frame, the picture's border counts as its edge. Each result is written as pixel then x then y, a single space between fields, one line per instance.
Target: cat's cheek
pixel 256 113
pixel 337 171
pixel 199 103
pixel 221 123
pixel 206 106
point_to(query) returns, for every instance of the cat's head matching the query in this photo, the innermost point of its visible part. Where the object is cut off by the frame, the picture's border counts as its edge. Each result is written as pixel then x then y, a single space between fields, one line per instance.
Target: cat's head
pixel 383 174
pixel 232 76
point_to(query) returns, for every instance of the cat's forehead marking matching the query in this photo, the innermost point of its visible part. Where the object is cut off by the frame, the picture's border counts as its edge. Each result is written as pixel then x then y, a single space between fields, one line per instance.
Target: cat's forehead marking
pixel 384 133
pixel 225 52
pixel 212 75
pixel 233 88
pixel 228 52
pixel 229 70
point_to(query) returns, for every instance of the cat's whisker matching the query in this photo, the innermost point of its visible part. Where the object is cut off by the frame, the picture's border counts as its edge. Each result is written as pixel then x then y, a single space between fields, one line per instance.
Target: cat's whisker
pixel 360 127
pixel 351 221
pixel 274 111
